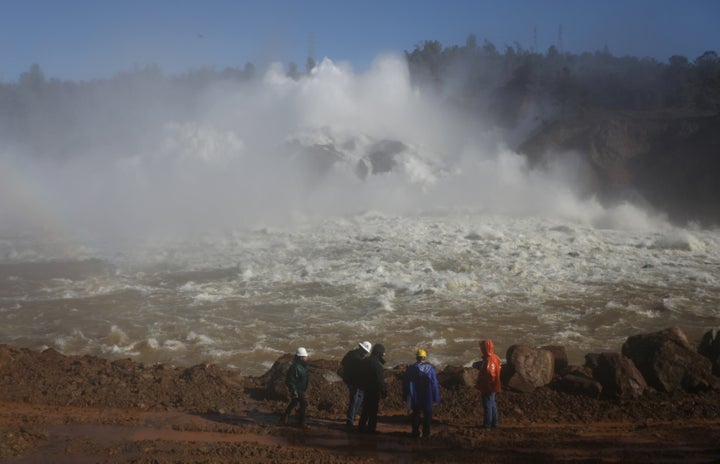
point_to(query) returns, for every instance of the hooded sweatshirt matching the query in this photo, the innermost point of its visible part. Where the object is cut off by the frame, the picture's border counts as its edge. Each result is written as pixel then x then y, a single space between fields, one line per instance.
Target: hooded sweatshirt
pixel 488 380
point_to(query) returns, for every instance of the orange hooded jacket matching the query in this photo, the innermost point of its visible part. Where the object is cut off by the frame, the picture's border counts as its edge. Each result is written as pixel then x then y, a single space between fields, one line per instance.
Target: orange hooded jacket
pixel 488 380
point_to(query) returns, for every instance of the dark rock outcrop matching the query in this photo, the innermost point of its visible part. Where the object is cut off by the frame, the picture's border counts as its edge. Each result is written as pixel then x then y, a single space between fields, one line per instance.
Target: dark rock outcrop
pixel 454 377
pixel 577 383
pixel 710 348
pixel 667 159
pixel 382 155
pixel 560 357
pixel 618 376
pixel 668 362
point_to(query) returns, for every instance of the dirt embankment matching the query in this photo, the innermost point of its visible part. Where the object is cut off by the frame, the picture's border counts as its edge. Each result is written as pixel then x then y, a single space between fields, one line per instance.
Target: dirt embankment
pixel 78 409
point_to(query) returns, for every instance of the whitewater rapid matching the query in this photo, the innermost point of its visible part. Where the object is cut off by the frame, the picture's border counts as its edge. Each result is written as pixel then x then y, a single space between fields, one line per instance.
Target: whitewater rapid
pixel 436 281
pixel 319 212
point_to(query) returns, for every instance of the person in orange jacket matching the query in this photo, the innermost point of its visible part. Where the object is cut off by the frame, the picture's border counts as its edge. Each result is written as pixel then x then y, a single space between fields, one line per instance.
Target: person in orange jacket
pixel 488 382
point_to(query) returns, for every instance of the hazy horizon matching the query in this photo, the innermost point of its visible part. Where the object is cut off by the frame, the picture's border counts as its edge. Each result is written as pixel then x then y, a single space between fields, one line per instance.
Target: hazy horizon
pixel 81 39
pixel 151 162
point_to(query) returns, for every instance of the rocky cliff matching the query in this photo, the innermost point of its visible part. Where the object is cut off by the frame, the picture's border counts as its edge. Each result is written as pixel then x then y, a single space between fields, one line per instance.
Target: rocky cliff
pixel 669 160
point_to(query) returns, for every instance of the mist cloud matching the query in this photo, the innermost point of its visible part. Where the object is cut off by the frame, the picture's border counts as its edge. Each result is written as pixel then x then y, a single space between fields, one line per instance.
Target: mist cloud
pixel 151 161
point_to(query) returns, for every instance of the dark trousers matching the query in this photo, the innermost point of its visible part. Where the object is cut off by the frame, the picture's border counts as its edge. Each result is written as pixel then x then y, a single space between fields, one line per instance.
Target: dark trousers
pixel 302 401
pixel 426 421
pixel 355 398
pixel 368 416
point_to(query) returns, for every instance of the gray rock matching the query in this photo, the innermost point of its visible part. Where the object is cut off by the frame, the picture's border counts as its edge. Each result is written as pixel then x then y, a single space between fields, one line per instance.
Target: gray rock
pixel 668 362
pixel 453 376
pixel 560 357
pixel 528 368
pixel 578 384
pixel 710 348
pixel 618 376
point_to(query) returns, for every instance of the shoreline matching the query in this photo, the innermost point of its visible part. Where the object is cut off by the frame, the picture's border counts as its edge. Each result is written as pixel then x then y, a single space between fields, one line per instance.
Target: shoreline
pixel 88 409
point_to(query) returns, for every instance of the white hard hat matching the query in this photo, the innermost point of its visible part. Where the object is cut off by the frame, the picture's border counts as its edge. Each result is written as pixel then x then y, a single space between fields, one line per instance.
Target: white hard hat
pixel 301 352
pixel 367 346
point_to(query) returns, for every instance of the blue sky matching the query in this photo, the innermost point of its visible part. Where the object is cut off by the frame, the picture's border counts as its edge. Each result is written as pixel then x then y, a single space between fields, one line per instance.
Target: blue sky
pixel 83 39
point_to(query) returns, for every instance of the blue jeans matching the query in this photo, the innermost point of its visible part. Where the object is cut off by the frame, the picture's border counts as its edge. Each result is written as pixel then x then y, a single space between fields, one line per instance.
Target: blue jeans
pixel 355 398
pixel 491 412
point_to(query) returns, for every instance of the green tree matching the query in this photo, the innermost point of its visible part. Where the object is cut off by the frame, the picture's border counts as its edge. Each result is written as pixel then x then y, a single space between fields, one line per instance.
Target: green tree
pixel 678 82
pixel 708 80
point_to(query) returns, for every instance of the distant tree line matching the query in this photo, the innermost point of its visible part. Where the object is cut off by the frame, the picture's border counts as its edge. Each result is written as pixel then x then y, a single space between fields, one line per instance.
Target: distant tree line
pixel 52 117
pixel 57 116
pixel 478 75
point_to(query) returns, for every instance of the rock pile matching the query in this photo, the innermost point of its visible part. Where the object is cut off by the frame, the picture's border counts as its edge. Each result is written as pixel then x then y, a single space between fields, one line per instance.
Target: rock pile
pixel 664 361
pixel 537 381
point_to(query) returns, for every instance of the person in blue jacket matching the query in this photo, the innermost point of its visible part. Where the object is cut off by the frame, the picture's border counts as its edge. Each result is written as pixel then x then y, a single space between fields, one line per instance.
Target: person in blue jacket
pixel 420 392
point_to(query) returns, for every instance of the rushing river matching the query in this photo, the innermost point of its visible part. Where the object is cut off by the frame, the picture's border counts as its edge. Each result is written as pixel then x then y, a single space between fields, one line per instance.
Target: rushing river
pixel 234 222
pixel 440 282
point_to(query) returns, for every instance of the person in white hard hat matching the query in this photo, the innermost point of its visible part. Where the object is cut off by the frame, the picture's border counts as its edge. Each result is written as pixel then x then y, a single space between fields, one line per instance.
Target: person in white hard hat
pixel 351 373
pixel 296 380
pixel 374 388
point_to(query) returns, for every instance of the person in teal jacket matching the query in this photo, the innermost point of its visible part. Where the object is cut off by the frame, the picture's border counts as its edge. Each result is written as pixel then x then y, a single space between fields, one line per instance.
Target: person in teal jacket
pixel 296 380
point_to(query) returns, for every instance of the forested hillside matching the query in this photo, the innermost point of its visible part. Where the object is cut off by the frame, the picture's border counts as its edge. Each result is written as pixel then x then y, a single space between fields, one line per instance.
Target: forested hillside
pixel 648 130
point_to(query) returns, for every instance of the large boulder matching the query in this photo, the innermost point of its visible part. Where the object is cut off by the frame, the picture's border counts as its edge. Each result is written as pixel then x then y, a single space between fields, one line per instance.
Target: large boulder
pixel 668 362
pixel 618 376
pixel 577 383
pixel 710 348
pixel 560 357
pixel 455 376
pixel 274 379
pixel 321 373
pixel 528 368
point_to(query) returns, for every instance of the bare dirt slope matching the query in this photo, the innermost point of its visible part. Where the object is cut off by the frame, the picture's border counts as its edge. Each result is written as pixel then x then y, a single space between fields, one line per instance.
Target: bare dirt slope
pixel 69 409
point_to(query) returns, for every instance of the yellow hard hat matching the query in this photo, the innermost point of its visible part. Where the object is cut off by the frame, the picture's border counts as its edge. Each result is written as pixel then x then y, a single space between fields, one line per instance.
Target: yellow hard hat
pixel 421 353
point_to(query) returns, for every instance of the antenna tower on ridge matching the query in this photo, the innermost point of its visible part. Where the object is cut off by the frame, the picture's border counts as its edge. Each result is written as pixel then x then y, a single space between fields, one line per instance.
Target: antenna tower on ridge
pixel 311 53
pixel 560 39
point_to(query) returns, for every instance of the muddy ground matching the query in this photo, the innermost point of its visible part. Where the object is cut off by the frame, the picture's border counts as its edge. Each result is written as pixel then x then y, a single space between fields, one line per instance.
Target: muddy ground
pixel 83 409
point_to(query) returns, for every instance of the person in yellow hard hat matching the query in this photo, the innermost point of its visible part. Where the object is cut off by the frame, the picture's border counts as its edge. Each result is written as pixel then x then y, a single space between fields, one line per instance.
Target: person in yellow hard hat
pixel 420 392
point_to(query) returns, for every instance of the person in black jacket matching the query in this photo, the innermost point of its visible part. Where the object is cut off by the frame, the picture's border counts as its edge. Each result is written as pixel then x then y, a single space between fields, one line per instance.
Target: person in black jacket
pixel 351 373
pixel 296 380
pixel 373 385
